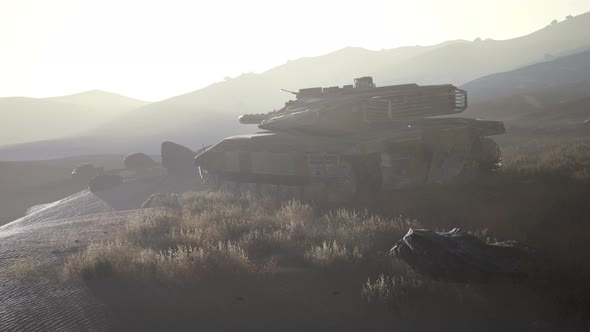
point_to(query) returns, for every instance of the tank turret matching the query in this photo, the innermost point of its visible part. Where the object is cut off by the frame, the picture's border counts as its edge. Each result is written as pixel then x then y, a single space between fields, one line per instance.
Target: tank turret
pixel 349 109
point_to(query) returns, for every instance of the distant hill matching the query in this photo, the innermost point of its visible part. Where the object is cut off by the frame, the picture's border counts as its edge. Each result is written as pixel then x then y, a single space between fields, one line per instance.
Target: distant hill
pixel 566 70
pixel 208 114
pixel 101 100
pixel 564 106
pixel 31 119
pixel 551 98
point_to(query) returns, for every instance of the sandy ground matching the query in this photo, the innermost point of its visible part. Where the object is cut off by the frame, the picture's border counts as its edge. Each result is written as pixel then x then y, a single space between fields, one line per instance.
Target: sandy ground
pixel 37 300
pixel 40 302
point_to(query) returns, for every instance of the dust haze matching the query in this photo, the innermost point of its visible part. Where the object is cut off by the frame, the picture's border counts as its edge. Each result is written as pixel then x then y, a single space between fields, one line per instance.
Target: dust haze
pixel 264 166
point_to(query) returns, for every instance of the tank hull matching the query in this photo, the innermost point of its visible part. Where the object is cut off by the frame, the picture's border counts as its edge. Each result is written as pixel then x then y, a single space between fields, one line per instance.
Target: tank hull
pixel 341 167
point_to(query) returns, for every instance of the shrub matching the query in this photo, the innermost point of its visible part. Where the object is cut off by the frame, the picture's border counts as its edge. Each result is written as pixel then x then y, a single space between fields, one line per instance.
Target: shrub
pixel 180 265
pixel 541 160
pixel 330 254
pixel 389 289
pixel 218 231
pixel 22 269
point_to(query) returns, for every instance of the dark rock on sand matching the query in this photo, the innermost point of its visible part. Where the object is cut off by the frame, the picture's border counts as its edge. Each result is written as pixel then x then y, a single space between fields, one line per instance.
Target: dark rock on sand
pixel 458 256
pixel 85 172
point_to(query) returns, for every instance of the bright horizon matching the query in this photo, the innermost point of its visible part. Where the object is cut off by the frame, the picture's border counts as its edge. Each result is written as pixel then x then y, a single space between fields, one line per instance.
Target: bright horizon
pixel 152 51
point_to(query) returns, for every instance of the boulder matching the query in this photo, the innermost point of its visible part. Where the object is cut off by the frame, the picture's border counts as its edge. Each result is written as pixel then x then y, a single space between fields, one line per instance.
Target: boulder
pixel 458 256
pixel 85 172
pixel 104 181
pixel 138 162
pixel 178 160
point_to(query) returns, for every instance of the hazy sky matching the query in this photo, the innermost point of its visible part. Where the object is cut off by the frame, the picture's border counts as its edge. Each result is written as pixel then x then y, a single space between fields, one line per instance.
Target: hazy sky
pixel 158 49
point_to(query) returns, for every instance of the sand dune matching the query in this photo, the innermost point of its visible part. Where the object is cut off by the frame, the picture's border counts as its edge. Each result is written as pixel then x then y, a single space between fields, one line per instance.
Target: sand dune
pixel 39 243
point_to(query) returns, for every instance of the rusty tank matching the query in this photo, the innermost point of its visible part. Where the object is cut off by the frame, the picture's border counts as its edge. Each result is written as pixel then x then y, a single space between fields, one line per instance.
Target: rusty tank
pixel 336 143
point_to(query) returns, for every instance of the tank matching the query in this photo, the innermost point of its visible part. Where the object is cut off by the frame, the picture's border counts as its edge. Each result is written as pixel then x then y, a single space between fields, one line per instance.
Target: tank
pixel 337 143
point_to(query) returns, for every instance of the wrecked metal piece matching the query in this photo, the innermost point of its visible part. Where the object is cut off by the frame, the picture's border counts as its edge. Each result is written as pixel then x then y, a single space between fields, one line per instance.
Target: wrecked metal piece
pixel 458 256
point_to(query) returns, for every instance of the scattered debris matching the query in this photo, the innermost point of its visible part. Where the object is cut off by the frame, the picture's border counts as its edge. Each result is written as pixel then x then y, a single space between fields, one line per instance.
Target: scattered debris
pixel 86 172
pixel 458 256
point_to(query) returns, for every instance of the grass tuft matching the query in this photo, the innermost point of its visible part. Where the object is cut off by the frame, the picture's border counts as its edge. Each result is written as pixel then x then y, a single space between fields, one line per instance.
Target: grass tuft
pixel 332 253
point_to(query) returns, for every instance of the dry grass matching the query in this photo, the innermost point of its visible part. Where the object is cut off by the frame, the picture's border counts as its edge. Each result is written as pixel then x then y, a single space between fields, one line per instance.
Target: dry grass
pixel 390 289
pixel 218 233
pixel 540 198
pixel 179 265
pixel 22 269
pixel 328 254
pixel 566 160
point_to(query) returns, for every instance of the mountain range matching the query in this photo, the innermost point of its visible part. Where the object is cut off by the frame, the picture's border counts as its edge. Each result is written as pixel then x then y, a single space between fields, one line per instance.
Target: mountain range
pixel 552 95
pixel 506 79
pixel 25 119
pixel 209 114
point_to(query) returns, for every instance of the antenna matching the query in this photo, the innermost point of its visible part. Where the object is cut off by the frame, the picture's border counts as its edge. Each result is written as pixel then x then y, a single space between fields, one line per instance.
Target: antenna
pixel 295 93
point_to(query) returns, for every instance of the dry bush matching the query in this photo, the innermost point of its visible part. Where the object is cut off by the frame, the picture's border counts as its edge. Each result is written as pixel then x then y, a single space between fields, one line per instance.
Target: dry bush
pixel 186 264
pixel 150 228
pixel 370 233
pixel 569 160
pixel 265 242
pixel 22 269
pixel 328 254
pixel 170 202
pixel 294 214
pixel 180 265
pixel 101 260
pixel 390 289
pixel 219 231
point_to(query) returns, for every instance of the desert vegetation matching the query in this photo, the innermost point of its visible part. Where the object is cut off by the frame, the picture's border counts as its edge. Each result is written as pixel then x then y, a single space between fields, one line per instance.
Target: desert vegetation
pixel 568 160
pixel 212 249
pixel 221 233
pixel 22 269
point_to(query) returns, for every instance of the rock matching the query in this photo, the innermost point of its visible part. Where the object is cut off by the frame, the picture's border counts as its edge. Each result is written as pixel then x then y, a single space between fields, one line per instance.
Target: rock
pixel 104 181
pixel 138 162
pixel 458 256
pixel 85 172
pixel 178 160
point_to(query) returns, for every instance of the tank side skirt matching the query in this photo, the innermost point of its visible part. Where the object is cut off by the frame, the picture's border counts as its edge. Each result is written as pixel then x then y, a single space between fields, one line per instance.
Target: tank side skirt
pixel 288 180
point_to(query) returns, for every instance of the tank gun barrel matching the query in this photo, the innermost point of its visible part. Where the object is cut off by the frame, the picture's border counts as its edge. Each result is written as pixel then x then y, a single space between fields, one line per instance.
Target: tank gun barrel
pixel 293 92
pixel 253 118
